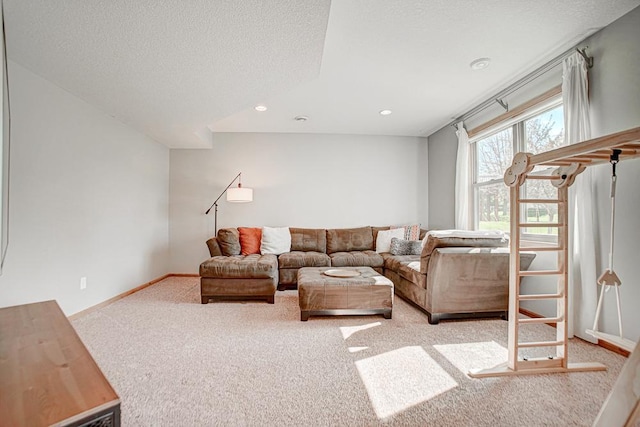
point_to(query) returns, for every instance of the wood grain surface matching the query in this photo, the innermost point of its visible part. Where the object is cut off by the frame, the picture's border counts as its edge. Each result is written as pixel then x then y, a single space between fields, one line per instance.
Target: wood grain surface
pixel 47 376
pixel 622 407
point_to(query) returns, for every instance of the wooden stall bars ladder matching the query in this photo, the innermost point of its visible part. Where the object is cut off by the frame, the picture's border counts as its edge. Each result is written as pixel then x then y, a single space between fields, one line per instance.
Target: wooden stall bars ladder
pixel 570 161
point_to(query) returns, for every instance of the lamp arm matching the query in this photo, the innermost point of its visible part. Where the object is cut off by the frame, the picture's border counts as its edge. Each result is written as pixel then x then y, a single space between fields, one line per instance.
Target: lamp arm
pixel 221 194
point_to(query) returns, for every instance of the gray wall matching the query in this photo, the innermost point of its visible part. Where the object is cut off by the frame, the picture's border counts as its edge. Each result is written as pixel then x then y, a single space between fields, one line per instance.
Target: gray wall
pixel 443 146
pixel 423 182
pixel 299 180
pixel 89 198
pixel 615 106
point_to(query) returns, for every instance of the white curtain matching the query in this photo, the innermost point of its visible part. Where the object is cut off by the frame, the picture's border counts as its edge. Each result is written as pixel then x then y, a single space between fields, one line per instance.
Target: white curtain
pixel 582 252
pixel 462 180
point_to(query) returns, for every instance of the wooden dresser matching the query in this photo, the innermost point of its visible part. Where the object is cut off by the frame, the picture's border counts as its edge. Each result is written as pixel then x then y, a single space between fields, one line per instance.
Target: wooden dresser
pixel 47 376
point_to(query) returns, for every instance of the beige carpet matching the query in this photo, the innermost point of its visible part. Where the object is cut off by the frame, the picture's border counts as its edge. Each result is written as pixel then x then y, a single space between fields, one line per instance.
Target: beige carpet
pixel 175 362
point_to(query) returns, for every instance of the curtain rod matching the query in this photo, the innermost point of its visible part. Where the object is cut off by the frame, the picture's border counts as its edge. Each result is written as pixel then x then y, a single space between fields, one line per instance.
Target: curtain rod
pixel 521 83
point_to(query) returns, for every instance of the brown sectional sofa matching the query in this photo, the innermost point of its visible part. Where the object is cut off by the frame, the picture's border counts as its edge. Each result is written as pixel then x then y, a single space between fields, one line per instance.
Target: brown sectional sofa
pixel 452 277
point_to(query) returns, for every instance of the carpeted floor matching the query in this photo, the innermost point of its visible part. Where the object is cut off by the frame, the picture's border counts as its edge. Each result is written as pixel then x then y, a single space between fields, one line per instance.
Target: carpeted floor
pixel 176 362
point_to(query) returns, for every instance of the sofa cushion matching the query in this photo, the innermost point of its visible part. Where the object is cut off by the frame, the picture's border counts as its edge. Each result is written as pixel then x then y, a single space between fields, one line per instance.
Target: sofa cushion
pixel 423 233
pixel 393 262
pixel 229 241
pixel 214 247
pixel 356 259
pixel 297 259
pixel 288 277
pixel 249 240
pixel 411 272
pixel 406 266
pixel 308 239
pixel 376 230
pixel 240 267
pixel 275 241
pixel 349 239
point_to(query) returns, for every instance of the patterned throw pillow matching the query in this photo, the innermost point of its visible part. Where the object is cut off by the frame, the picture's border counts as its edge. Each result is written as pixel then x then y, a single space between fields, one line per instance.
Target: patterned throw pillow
pixel 412 232
pixel 405 247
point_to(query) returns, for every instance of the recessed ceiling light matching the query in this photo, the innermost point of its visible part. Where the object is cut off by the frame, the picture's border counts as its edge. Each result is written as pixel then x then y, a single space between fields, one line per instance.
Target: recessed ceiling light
pixel 385 112
pixel 260 108
pixel 480 63
pixel 301 118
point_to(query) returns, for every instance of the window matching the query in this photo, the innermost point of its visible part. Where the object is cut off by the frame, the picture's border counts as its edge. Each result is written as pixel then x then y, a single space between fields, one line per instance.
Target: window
pixel 540 130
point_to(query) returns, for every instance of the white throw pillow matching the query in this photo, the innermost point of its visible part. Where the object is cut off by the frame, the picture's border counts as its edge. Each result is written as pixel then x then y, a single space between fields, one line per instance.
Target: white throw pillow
pixel 383 241
pixel 275 241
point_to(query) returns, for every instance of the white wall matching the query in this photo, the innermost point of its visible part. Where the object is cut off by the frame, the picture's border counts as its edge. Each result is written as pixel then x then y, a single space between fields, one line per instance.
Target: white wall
pixel 299 180
pixel 615 106
pixel 89 197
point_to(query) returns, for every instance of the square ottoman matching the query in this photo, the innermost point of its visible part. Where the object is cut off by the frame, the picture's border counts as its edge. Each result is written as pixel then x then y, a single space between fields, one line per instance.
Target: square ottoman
pixel 367 293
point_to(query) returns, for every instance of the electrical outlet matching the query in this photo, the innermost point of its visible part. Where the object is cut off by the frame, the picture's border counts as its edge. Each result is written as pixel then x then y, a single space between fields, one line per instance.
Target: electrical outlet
pixel 83 283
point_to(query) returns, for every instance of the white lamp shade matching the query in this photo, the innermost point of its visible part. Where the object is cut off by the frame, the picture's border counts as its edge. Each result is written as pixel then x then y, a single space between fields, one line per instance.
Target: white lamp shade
pixel 240 195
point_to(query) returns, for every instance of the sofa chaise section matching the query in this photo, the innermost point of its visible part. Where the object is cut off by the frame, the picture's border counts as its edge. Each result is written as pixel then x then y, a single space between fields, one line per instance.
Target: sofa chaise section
pixel 229 275
pixel 456 277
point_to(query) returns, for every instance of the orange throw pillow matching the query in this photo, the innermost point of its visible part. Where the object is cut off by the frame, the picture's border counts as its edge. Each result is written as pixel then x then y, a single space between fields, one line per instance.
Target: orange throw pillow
pixel 250 240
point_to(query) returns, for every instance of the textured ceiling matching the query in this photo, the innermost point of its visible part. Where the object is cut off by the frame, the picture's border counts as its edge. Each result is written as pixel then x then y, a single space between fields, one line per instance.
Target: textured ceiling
pixel 169 68
pixel 179 70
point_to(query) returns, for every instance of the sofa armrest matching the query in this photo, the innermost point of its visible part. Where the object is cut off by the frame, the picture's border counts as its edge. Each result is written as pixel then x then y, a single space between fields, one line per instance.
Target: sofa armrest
pixel 214 247
pixel 454 238
pixel 464 279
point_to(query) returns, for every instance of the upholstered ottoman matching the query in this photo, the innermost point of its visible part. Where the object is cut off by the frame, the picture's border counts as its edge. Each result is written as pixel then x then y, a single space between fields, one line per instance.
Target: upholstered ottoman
pixel 239 277
pixel 367 293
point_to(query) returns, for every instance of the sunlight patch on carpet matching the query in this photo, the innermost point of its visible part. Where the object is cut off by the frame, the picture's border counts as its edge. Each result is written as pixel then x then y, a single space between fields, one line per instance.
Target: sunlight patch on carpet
pixel 347 331
pixel 399 379
pixel 357 349
pixel 473 355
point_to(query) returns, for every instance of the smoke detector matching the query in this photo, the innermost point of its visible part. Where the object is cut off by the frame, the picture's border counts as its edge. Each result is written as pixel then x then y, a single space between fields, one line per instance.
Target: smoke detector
pixel 480 63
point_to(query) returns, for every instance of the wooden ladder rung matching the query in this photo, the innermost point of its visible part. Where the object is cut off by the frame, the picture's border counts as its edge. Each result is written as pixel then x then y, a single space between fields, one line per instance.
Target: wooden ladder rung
pixel 539 224
pixel 541 201
pixel 557 163
pixel 541 320
pixel 586 158
pixel 541 273
pixel 549 177
pixel 539 296
pixel 590 156
pixel 540 344
pixel 542 248
pixel 623 151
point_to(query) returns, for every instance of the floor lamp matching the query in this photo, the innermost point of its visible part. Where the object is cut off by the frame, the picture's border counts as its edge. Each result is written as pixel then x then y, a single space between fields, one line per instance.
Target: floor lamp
pixel 234 195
